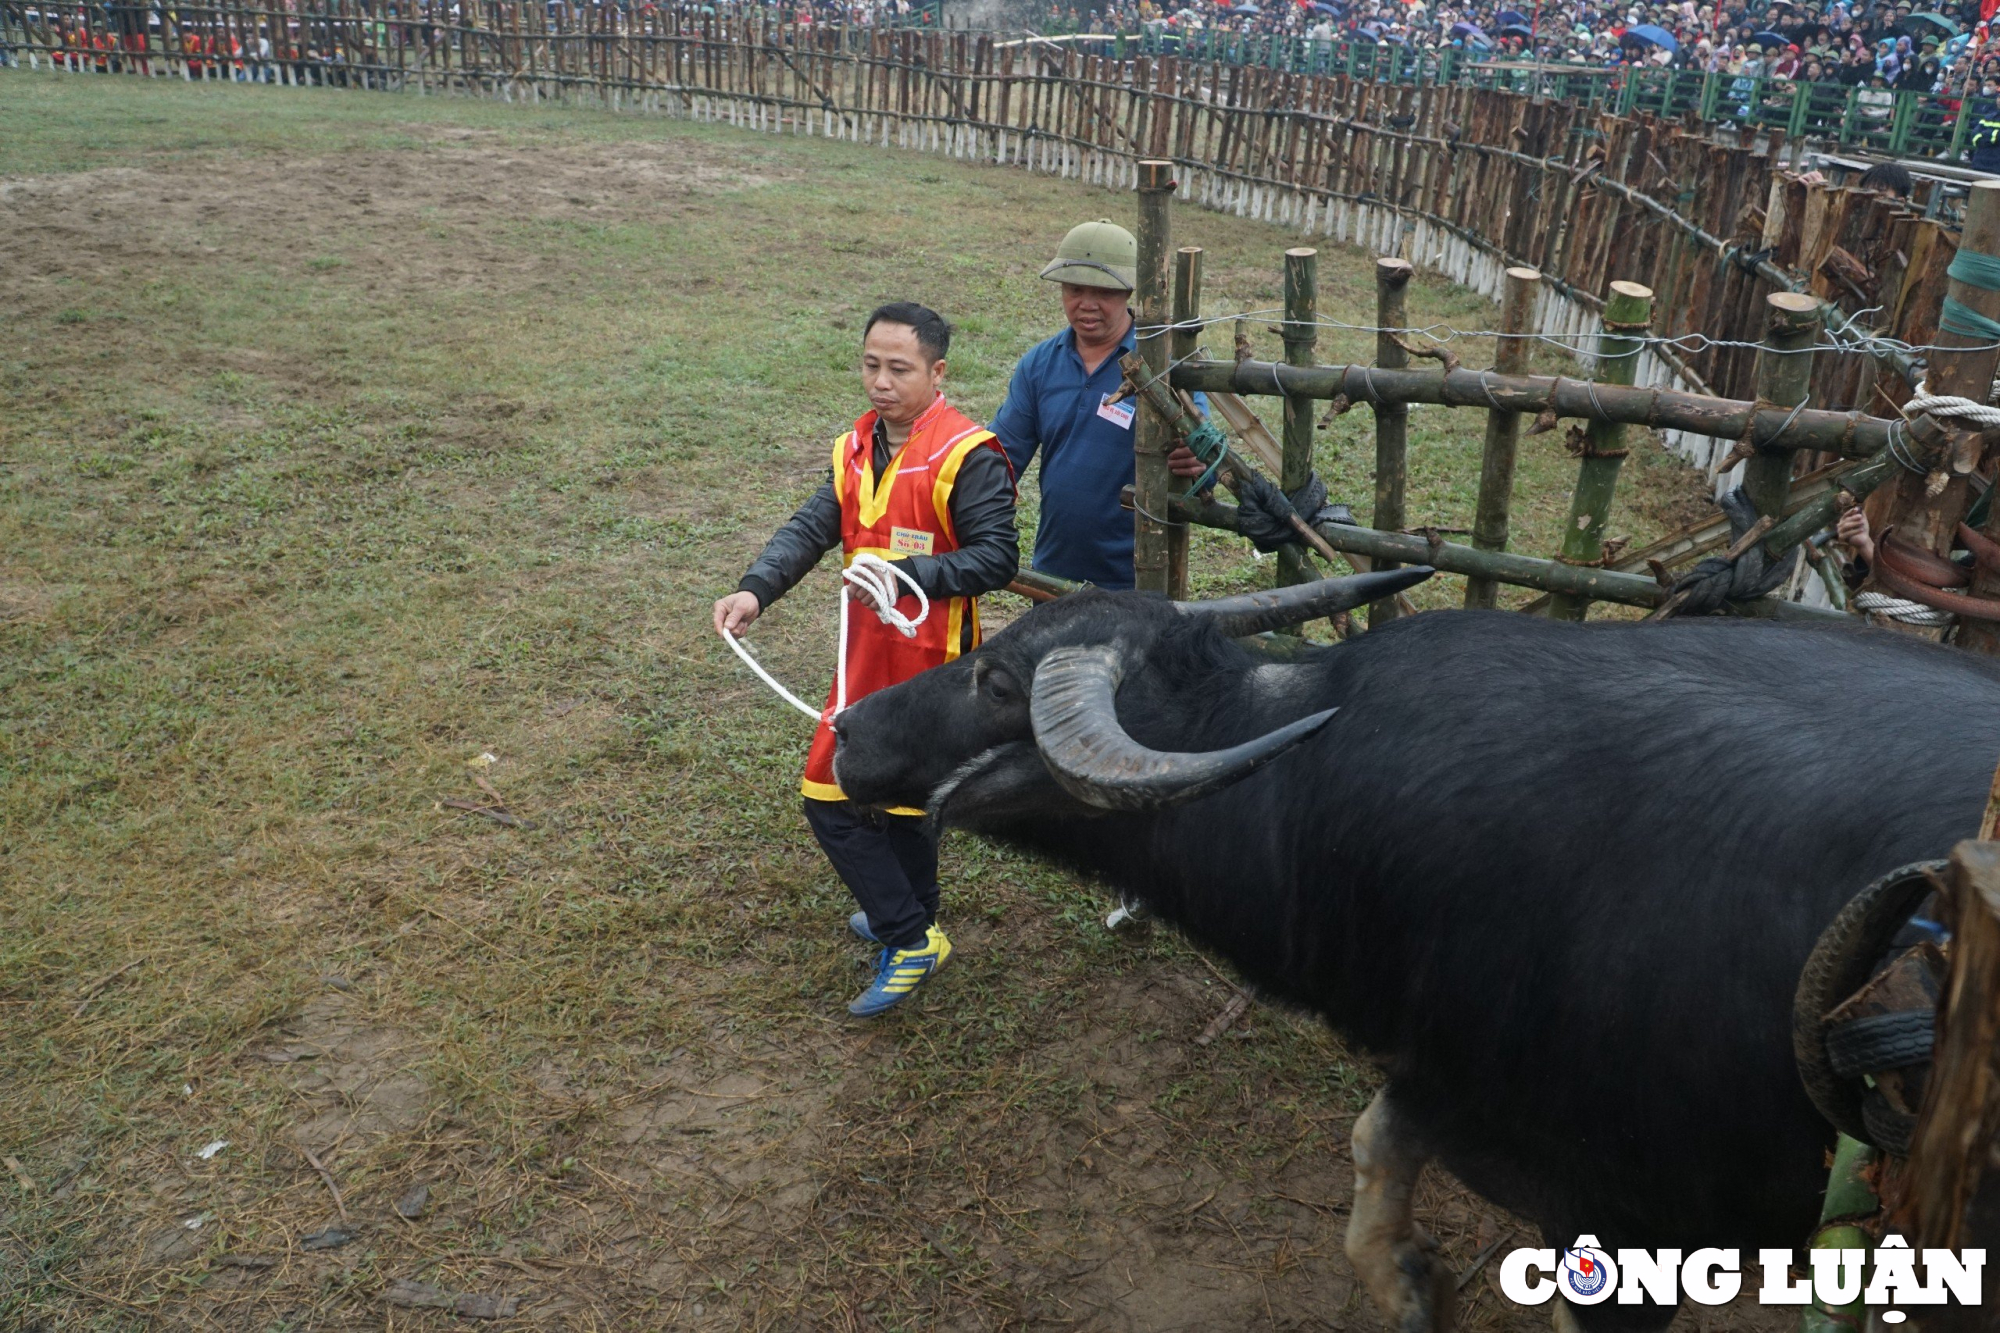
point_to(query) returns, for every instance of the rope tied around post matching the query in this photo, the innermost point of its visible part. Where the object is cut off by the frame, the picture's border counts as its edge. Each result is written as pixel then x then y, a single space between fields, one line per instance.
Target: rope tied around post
pixel 1743 573
pixel 1974 269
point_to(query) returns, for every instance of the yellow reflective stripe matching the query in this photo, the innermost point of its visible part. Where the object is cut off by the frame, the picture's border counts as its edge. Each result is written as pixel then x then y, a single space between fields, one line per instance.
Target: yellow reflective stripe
pixel 954 626
pixel 840 466
pixel 821 791
pixel 827 791
pixel 875 494
pixel 948 477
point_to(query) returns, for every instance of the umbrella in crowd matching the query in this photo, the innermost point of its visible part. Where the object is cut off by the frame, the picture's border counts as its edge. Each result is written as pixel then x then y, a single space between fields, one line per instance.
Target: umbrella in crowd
pixel 1510 16
pixel 1916 24
pixel 1770 39
pixel 1516 30
pixel 1467 31
pixel 1655 34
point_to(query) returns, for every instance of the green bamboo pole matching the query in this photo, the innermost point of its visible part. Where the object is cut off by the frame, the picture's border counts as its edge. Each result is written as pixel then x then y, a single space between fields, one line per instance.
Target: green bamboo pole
pixel 1187 310
pixel 1151 437
pixel 1301 337
pixel 1848 434
pixel 1524 571
pixel 1392 420
pixel 1627 318
pixel 1850 1200
pixel 1503 434
pixel 1784 374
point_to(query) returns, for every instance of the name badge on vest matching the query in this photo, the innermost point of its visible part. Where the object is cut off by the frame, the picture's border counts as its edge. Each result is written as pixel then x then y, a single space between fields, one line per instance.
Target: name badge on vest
pixel 908 541
pixel 1118 414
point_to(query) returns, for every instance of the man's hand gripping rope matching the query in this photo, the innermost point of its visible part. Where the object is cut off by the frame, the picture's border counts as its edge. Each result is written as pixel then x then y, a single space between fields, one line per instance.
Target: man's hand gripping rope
pixel 870 580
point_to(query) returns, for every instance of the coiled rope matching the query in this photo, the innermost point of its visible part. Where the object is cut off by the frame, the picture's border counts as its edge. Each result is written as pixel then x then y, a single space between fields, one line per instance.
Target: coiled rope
pixel 1946 405
pixel 876 577
pixel 1901 609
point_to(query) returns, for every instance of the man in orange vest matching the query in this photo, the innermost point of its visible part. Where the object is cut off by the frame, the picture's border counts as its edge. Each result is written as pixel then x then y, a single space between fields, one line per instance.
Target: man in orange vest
pixel 920 485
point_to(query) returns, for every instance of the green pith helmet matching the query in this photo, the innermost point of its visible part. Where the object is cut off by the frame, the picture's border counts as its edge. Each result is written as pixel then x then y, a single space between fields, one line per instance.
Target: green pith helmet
pixel 1096 254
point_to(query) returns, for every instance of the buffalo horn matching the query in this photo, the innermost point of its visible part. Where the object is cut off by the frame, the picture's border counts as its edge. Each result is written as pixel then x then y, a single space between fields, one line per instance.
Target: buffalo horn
pixel 1258 612
pixel 1075 715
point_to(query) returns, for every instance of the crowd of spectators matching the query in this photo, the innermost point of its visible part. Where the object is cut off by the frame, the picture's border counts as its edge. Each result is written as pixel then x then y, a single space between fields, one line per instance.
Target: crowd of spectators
pixel 1875 45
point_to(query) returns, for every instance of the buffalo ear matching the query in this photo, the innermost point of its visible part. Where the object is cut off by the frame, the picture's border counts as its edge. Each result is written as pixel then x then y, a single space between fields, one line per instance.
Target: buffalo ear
pixel 993 681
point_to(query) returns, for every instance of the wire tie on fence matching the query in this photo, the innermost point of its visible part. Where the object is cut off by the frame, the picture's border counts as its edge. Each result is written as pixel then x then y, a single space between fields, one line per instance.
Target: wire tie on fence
pixel 1773 440
pixel 1147 513
pixel 1595 406
pixel 1491 401
pixel 1899 432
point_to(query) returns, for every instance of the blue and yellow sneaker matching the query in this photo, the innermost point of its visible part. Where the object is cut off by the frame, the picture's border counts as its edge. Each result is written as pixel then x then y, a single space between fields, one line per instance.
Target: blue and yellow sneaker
pixel 858 923
pixel 899 972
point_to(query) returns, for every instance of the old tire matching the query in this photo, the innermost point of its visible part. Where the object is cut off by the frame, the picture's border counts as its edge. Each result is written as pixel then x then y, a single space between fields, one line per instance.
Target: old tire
pixel 1840 964
pixel 1880 1041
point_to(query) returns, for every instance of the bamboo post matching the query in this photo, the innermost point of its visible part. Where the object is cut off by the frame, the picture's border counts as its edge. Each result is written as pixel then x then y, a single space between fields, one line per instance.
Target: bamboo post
pixel 1627 317
pixel 1849 1197
pixel 1950 1190
pixel 1784 375
pixel 1503 434
pixel 1919 515
pixel 1982 236
pixel 1187 335
pixel 1152 437
pixel 1392 277
pixel 1301 338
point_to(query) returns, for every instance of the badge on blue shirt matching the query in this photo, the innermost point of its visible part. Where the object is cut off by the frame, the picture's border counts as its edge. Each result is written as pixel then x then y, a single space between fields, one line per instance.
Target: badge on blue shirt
pixel 1119 414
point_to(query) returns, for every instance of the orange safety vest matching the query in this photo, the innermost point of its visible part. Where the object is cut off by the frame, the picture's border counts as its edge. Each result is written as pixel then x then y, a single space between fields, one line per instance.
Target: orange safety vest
pixel 907 511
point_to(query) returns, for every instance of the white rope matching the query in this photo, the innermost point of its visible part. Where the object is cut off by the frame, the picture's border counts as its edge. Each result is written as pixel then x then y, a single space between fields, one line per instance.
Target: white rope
pixel 1944 405
pixel 1901 609
pixel 870 574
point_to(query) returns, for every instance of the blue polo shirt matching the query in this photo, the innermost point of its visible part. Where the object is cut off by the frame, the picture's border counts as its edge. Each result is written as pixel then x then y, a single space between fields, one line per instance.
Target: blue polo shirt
pixel 1086 458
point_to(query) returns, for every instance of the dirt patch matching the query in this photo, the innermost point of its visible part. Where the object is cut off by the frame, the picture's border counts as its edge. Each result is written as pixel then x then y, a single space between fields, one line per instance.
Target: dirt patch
pixel 345 211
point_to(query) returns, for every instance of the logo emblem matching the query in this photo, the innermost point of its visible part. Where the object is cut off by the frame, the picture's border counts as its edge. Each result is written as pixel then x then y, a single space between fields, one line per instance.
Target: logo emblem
pixel 1587 1273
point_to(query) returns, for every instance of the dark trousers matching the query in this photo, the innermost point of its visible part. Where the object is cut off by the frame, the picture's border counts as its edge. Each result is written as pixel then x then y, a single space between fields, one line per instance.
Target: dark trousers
pixel 889 864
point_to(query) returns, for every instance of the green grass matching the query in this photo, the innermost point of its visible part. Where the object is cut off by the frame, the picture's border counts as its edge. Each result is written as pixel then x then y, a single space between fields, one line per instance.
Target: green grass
pixel 345 438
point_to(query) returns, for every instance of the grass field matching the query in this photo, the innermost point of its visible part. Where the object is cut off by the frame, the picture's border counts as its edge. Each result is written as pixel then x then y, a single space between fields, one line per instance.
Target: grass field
pixel 346 438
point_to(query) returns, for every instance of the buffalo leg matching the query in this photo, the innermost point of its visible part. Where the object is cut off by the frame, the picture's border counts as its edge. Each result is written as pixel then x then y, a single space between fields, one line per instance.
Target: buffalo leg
pixel 1392 1256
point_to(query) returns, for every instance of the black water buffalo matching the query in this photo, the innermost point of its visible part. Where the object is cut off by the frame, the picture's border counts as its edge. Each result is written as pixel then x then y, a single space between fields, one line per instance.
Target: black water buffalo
pixel 1557 880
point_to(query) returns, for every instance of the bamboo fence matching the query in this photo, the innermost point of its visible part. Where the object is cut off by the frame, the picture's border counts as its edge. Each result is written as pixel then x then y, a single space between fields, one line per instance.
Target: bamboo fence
pixel 1466 182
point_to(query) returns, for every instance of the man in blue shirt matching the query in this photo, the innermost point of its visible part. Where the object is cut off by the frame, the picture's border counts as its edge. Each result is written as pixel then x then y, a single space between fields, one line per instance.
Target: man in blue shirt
pixel 1058 403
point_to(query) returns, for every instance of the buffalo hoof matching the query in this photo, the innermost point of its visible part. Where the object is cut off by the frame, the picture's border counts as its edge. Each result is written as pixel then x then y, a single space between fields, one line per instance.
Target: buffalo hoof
pixel 1421 1295
pixel 1391 1255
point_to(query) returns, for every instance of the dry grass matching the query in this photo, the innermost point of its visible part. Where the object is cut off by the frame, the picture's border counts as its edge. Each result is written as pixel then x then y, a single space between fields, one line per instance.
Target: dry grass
pixel 344 438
